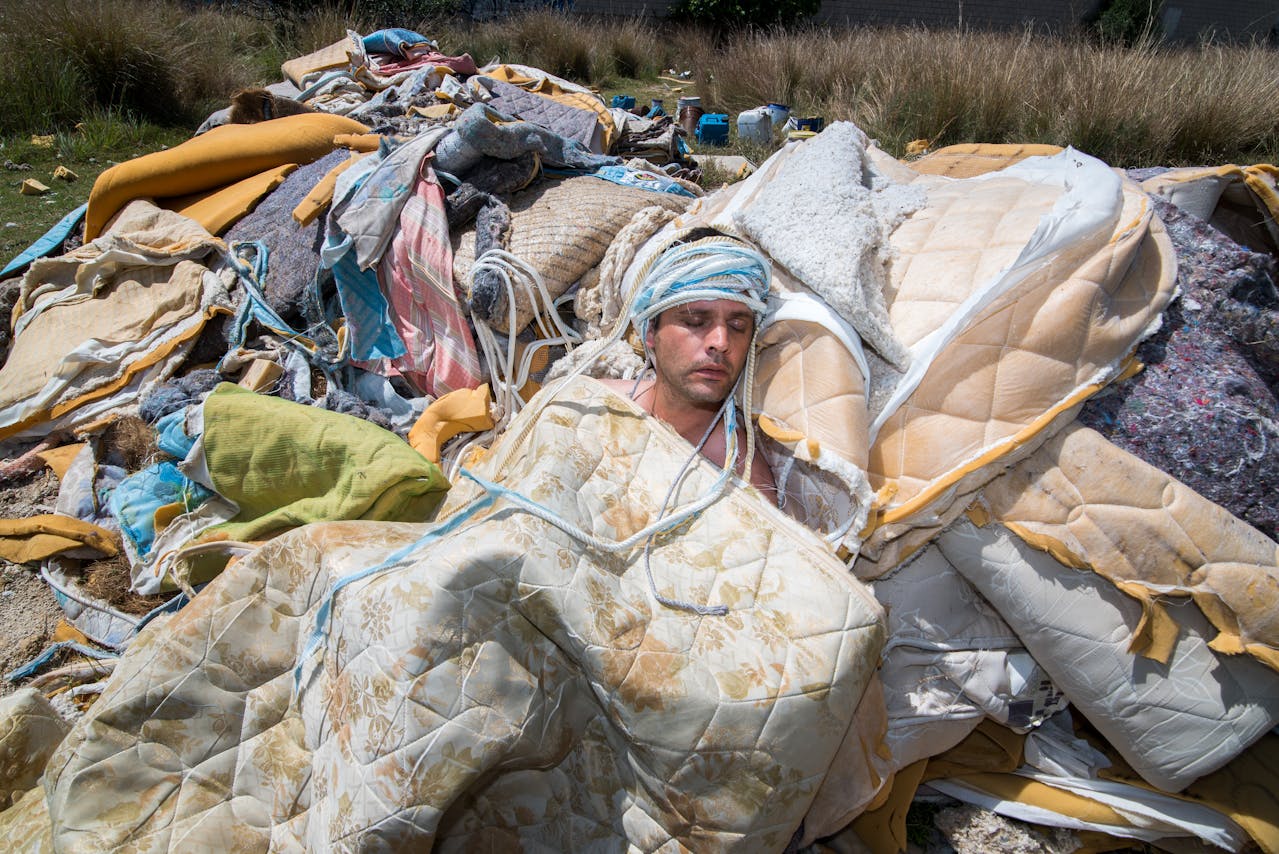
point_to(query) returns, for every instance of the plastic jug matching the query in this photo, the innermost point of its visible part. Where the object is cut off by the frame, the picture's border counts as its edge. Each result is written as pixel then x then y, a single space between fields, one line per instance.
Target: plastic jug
pixel 778 113
pixel 712 129
pixel 755 125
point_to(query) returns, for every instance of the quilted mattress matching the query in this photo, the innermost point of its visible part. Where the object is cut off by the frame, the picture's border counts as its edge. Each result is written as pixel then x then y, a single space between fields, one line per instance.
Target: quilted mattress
pixel 486 681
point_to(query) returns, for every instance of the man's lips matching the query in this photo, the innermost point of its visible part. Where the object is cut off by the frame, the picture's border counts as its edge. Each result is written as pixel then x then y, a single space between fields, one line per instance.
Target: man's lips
pixel 711 371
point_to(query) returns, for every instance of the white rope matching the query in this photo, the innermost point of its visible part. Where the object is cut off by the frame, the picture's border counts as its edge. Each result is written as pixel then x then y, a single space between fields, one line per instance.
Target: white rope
pixel 506 374
pixel 621 252
pixel 727 415
pixel 731 266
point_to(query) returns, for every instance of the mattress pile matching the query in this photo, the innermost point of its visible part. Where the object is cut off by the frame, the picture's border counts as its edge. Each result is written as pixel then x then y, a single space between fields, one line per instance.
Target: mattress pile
pixel 415 578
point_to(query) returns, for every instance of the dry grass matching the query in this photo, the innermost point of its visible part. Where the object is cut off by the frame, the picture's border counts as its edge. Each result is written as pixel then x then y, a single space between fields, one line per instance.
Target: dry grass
pixel 109 581
pixel 160 61
pixel 1142 105
pixel 129 442
pixel 169 63
pixel 588 52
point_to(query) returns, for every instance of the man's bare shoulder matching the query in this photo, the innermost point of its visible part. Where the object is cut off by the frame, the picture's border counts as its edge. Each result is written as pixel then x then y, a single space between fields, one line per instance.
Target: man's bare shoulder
pixel 627 388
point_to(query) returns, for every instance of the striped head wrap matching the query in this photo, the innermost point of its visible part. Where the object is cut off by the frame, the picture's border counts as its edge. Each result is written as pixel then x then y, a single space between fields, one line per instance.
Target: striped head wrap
pixel 711 268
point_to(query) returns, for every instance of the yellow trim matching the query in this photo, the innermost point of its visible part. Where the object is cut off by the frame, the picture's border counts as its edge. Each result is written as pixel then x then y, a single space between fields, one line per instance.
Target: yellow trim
pixel 1156 632
pixel 1051 545
pixel 1126 229
pixel 59 459
pixel 776 431
pixel 1131 367
pixel 1267 655
pixel 1263 189
pixel 115 385
pixel 1010 787
pixel 937 487
pixel 460 410
pixel 978 514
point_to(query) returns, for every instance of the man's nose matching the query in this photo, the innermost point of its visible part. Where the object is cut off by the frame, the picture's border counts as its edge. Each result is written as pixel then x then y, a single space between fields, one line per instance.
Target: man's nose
pixel 717 337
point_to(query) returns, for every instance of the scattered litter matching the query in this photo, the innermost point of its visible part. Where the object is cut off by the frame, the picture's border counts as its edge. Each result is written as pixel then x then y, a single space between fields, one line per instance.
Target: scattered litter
pixel 32 187
pixel 384 390
pixel 733 164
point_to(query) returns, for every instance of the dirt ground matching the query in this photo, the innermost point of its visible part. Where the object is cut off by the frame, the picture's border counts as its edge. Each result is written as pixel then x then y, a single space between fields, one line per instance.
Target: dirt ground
pixel 28 611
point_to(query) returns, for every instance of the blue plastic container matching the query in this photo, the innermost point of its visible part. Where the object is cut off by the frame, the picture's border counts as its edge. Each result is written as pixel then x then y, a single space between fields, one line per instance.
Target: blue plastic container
pixel 625 102
pixel 712 129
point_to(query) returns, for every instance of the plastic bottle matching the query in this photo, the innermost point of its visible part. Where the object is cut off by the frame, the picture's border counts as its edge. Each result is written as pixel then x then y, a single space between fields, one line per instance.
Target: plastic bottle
pixel 755 125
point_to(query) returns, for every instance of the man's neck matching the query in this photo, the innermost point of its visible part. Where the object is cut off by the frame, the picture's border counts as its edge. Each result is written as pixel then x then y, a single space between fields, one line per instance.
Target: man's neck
pixel 690 419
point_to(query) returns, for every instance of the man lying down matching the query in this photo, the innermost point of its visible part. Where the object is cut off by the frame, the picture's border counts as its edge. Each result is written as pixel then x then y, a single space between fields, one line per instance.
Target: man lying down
pixel 600 643
pixel 698 309
pixel 697 312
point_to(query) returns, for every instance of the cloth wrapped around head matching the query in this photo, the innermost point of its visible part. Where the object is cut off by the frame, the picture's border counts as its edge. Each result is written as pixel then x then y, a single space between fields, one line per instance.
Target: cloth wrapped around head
pixel 710 268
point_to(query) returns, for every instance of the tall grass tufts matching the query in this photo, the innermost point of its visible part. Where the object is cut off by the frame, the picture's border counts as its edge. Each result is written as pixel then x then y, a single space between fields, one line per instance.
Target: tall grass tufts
pixel 158 60
pixel 169 62
pixel 1143 104
pixel 590 52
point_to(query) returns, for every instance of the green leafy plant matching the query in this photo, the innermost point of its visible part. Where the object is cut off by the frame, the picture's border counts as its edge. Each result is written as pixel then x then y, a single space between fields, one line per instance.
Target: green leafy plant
pixel 1129 21
pixel 738 14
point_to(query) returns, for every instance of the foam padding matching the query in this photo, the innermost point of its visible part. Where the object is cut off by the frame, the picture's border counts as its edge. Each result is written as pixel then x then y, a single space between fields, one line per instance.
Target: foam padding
pixel 221 156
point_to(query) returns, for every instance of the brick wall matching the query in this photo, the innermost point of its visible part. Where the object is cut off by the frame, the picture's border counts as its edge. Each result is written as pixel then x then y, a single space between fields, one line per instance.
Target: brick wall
pixel 979 14
pixel 1235 19
pixel 976 14
pixel 1184 20
pixel 624 8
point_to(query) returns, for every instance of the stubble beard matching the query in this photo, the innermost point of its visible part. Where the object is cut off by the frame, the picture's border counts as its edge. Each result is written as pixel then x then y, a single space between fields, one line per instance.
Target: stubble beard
pixel 701 391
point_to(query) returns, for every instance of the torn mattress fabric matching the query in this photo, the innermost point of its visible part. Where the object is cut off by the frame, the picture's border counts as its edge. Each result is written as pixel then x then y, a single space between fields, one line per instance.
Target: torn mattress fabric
pixel 981 595
pixel 1019 293
pixel 1007 299
pixel 359 684
pixel 97 327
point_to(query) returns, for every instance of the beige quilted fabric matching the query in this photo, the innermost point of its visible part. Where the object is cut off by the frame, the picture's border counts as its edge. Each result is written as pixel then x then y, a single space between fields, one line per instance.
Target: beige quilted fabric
pixel 499 688
pixel 1030 355
pixel 969 159
pixel 1242 202
pixel 30 729
pixel 804 377
pixel 562 229
pixel 102 320
pixel 25 825
pixel 1007 378
pixel 1094 505
pixel 336 55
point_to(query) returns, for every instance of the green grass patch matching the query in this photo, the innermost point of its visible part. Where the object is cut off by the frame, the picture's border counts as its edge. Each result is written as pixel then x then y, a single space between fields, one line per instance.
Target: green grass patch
pixel 102 141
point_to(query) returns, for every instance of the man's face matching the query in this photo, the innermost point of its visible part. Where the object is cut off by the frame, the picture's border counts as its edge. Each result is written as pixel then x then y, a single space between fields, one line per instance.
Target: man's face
pixel 700 348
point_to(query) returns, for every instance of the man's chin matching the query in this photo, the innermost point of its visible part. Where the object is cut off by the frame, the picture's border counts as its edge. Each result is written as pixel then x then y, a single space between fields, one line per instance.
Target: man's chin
pixel 703 390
